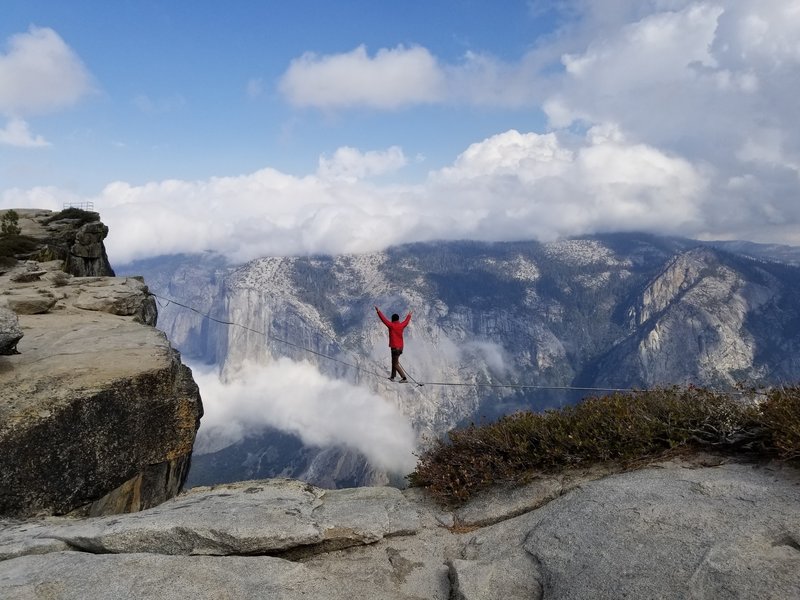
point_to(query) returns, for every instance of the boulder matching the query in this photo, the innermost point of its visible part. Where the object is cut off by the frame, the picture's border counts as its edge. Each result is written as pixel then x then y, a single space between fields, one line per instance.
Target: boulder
pixel 30 302
pixel 87 255
pixel 10 333
pixel 118 296
pixel 111 411
pixel 89 240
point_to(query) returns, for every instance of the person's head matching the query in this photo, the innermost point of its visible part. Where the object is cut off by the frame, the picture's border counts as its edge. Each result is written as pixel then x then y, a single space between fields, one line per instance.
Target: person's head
pixel 395 317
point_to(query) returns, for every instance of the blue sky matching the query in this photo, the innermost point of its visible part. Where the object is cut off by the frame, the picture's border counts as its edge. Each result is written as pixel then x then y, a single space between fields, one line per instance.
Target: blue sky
pixel 170 85
pixel 257 128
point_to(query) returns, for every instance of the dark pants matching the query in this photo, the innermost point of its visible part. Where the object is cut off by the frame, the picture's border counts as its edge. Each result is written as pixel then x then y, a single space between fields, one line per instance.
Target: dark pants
pixel 396 368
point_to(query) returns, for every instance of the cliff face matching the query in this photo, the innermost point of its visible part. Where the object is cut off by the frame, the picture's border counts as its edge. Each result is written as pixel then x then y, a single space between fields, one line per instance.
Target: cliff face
pixel 676 530
pixel 97 413
pixel 709 318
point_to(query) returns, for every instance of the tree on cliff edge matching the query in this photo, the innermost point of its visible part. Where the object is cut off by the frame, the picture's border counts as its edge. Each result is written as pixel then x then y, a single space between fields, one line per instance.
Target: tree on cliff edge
pixel 9 224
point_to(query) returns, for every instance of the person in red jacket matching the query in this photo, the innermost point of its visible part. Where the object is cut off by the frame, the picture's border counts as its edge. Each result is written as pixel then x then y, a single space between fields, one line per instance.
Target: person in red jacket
pixel 395 341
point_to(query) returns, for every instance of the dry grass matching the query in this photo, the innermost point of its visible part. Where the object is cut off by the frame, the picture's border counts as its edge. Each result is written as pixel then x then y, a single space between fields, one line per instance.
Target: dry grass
pixel 623 428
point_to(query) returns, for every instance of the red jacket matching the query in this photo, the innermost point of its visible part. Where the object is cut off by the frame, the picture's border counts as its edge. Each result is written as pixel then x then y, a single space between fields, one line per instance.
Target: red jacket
pixel 395 330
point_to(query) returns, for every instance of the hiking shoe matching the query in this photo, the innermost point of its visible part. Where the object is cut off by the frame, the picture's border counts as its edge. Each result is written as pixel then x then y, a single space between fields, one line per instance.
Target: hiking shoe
pixel 404 380
pixel 391 378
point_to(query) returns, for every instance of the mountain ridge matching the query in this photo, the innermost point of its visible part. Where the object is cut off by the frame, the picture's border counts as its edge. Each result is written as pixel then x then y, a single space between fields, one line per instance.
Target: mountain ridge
pixel 555 314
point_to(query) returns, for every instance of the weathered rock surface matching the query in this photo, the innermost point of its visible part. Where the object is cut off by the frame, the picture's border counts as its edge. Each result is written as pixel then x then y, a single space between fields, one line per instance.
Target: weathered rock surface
pixel 10 333
pixel 77 576
pixel 78 244
pixel 30 302
pixel 731 532
pixel 118 296
pixel 87 255
pixel 673 530
pixel 266 517
pixel 97 412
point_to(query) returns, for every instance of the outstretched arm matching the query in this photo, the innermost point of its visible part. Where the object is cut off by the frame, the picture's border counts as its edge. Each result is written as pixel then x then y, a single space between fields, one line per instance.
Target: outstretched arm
pixel 382 317
pixel 408 318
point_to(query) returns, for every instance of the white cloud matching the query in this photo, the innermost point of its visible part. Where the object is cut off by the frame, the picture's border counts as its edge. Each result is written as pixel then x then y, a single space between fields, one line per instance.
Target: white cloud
pixel 294 397
pixel 40 73
pixel 17 133
pixel 543 189
pixel 391 79
pixel 510 186
pixel 712 82
pixel 529 156
pixel 483 80
pixel 401 77
pixel 765 31
pixel 351 164
pixel 491 354
pixel 766 147
pixel 647 70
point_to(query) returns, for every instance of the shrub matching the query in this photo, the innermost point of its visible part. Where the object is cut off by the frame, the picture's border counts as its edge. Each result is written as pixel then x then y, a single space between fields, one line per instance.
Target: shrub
pixel 780 417
pixel 6 262
pixel 83 216
pixel 12 245
pixel 9 223
pixel 623 428
pixel 60 279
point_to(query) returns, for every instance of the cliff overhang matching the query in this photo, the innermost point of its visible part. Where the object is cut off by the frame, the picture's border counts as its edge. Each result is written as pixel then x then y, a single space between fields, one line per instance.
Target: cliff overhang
pixel 97 413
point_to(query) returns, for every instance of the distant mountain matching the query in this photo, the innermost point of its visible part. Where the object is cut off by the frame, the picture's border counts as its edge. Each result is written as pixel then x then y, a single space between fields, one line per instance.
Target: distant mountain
pixel 781 253
pixel 609 311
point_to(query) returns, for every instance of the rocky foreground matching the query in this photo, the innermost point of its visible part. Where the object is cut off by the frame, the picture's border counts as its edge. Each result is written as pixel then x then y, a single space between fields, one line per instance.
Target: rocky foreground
pixel 673 530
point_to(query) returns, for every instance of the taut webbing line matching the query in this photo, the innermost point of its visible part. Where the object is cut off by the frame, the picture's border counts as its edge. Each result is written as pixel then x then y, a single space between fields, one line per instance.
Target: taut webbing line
pixel 265 334
pixel 379 375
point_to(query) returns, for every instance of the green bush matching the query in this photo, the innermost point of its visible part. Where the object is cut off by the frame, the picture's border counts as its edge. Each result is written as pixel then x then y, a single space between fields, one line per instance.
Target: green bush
pixel 83 216
pixel 621 428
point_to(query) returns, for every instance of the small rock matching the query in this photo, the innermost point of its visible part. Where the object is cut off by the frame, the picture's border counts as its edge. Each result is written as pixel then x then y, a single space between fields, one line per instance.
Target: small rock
pixel 27 276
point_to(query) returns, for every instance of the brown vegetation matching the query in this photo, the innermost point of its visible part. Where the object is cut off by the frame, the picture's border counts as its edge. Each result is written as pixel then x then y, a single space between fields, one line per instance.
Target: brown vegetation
pixel 625 428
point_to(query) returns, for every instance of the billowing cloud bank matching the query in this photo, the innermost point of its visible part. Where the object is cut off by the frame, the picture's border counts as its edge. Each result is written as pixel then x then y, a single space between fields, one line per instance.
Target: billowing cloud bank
pixel 510 186
pixel 294 397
